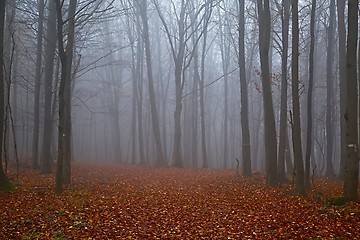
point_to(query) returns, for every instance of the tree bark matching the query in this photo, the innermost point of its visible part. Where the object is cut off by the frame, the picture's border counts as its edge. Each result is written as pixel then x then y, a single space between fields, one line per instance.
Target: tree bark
pixel 245 131
pixel 48 79
pixel 285 19
pixel 154 112
pixel 3 179
pixel 330 92
pixel 39 45
pixel 269 119
pixel 351 173
pixel 309 133
pixel 297 144
pixel 63 170
pixel 342 83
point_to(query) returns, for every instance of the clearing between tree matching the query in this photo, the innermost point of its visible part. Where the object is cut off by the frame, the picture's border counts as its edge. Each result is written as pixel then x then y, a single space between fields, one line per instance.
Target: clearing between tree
pixel 109 201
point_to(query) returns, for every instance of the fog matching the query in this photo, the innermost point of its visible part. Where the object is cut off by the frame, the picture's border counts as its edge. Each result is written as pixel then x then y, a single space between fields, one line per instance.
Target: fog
pixel 111 112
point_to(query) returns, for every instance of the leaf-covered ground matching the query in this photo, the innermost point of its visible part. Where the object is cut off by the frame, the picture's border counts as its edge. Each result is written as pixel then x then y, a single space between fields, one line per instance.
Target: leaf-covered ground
pixel 109 201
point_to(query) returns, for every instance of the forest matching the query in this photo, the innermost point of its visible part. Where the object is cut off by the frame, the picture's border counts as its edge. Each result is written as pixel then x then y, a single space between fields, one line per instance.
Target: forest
pixel 179 119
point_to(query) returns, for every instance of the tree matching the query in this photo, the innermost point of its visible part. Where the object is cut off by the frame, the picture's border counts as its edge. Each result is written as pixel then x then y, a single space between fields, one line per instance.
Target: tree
pixel 269 119
pixel 225 59
pixel 39 45
pixel 330 91
pixel 178 53
pixel 66 57
pixel 4 181
pixel 246 153
pixel 205 20
pixel 285 19
pixel 351 171
pixel 342 83
pixel 142 6
pixel 297 145
pixel 182 55
pixel 48 79
pixel 309 133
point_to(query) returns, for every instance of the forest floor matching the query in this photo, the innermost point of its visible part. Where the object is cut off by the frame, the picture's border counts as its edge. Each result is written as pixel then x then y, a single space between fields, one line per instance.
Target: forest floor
pixel 108 201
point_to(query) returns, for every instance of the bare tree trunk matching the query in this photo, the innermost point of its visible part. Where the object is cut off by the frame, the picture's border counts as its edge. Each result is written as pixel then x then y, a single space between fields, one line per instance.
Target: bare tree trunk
pixel 342 83
pixel 154 112
pixel 35 139
pixel 208 12
pixel 297 145
pixel 139 67
pixel 195 110
pixel 285 15
pixel 269 119
pixel 225 60
pixel 351 173
pixel 63 170
pixel 330 92
pixel 245 131
pixel 134 95
pixel 49 70
pixel 310 135
pixel 3 179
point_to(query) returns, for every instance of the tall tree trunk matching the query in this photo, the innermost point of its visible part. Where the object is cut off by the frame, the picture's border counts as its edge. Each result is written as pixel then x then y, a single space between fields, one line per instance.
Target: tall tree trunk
pixel 330 92
pixel 351 173
pixel 285 17
pixel 139 77
pixel 245 131
pixel 195 111
pixel 208 12
pixel 269 119
pixel 39 45
pixel 134 95
pixel 225 59
pixel 202 121
pixel 3 179
pixel 309 134
pixel 342 83
pixel 63 170
pixel 154 112
pixel 297 145
pixel 48 79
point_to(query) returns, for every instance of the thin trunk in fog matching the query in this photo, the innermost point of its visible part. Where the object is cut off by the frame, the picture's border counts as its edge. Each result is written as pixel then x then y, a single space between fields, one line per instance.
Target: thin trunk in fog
pixel 54 109
pixel 285 19
pixel 154 112
pixel 309 133
pixel 114 102
pixel 351 172
pixel 48 79
pixel 39 51
pixel 269 119
pixel 195 111
pixel 164 87
pixel 296 133
pixel 245 131
pixel 139 79
pixel 134 93
pixel 342 82
pixel 330 91
pixel 63 167
pixel 225 60
pixel 194 99
pixel 206 19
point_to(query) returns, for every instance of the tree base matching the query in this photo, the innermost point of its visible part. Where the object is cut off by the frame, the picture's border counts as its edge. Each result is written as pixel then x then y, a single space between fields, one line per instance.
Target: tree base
pixel 5 184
